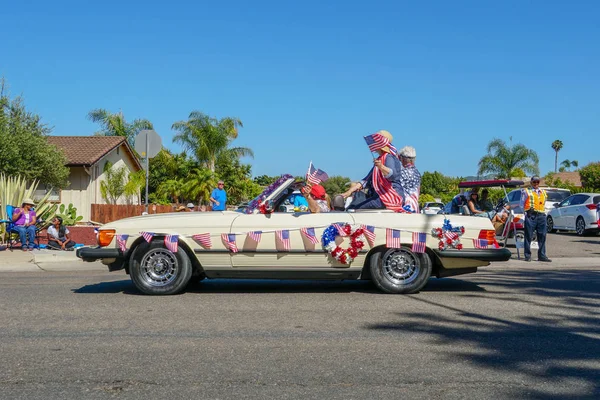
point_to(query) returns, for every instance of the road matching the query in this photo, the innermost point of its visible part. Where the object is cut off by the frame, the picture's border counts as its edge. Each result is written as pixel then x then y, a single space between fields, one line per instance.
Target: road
pixel 512 331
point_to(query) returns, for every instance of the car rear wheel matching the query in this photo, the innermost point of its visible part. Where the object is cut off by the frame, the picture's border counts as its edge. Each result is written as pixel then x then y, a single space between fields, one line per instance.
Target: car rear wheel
pixel 400 270
pixel 154 269
pixel 580 226
pixel 550 223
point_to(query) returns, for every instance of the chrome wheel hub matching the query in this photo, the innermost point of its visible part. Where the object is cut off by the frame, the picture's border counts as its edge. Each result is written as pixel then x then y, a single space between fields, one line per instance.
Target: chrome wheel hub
pixel 159 267
pixel 400 267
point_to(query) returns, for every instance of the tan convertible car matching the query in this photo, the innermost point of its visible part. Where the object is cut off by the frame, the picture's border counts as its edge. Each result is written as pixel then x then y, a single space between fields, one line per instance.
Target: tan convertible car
pixel 398 251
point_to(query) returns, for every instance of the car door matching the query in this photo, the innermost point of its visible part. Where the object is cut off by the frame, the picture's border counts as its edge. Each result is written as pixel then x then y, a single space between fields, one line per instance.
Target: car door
pixel 573 210
pixel 559 216
pixel 269 254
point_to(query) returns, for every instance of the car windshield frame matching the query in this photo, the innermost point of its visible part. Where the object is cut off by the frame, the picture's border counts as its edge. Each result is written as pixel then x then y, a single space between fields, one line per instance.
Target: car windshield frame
pixel 269 193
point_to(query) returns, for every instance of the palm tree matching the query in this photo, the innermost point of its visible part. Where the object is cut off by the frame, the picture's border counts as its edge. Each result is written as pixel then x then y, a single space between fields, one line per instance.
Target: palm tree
pixel 556 145
pixel 501 159
pixel 171 188
pixel 134 185
pixel 565 165
pixel 575 164
pixel 207 137
pixel 199 185
pixel 115 124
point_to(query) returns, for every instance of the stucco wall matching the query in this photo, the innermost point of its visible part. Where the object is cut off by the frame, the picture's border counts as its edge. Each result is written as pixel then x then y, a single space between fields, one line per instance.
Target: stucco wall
pixel 78 192
pixel 119 157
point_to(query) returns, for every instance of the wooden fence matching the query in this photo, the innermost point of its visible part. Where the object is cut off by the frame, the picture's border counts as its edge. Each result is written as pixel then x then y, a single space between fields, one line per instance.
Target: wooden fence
pixel 105 213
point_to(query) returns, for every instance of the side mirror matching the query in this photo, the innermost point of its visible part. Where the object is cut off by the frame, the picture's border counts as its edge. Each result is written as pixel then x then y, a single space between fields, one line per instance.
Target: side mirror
pixel 556 205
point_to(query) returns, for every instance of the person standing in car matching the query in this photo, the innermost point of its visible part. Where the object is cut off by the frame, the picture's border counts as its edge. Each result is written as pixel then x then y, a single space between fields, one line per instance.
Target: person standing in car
pixel 533 202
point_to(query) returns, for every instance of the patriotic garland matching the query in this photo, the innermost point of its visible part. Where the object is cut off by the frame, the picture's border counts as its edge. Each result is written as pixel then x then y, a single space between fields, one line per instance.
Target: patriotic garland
pixel 344 256
pixel 449 236
pixel 257 202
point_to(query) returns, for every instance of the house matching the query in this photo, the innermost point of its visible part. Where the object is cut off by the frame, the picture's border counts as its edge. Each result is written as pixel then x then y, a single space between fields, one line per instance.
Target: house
pixel 572 178
pixel 86 158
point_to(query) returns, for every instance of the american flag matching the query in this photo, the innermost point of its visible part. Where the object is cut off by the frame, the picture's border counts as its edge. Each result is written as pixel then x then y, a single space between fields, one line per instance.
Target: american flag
pixel 340 228
pixel 388 195
pixel 376 141
pixel 283 237
pixel 255 235
pixel 229 240
pixel 310 234
pixel 315 176
pixel 122 241
pixel 419 239
pixel 203 239
pixel 147 236
pixel 484 244
pixel 171 242
pixel 369 232
pixel 392 238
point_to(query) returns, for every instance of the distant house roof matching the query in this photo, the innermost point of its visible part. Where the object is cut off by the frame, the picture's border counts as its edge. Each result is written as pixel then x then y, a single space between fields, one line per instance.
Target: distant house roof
pixel 88 150
pixel 572 177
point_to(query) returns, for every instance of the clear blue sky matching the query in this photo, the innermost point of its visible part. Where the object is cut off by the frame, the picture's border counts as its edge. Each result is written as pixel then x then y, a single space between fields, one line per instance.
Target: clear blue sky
pixel 309 80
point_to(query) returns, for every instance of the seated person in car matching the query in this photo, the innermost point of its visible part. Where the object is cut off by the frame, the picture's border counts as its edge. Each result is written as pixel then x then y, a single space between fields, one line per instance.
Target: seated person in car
pixel 457 202
pixel 473 205
pixel 485 204
pixel 317 198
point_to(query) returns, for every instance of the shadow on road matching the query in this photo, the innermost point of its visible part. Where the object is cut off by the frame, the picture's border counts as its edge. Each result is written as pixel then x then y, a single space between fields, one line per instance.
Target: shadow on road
pixel 558 345
pixel 279 286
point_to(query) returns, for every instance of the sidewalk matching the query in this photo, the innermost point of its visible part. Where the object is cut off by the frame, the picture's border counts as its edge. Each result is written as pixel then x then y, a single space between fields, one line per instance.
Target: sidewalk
pixel 45 260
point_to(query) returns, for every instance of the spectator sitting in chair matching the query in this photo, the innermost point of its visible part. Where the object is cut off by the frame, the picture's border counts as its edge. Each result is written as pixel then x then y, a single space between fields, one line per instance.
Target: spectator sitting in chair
pixel 25 219
pixel 58 236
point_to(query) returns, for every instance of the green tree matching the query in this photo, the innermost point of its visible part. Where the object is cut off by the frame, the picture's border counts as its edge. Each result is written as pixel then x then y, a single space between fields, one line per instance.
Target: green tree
pixel 565 165
pixel 207 138
pixel 166 166
pixel 265 180
pixel 24 149
pixel 575 164
pixel 135 183
pixel 425 198
pixel 590 176
pixel 435 184
pixel 237 177
pixel 116 125
pixel 557 145
pixel 336 185
pixel 113 185
pixel 199 185
pixel 502 160
pixel 172 188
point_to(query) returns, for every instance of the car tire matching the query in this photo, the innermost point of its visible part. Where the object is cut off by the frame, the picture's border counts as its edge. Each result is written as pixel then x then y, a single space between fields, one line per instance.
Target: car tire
pixel 400 270
pixel 550 224
pixel 156 270
pixel 580 226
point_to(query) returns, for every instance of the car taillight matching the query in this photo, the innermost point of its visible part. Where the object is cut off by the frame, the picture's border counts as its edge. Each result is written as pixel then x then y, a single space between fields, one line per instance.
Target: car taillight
pixel 591 206
pixel 105 236
pixel 488 234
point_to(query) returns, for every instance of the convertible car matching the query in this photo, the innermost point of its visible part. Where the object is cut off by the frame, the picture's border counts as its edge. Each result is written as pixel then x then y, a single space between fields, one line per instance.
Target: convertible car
pixel 398 251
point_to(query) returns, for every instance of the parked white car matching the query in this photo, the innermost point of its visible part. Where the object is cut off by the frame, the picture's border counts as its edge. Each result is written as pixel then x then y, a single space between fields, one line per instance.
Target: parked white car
pixel 575 213
pixel 555 195
pixel 432 208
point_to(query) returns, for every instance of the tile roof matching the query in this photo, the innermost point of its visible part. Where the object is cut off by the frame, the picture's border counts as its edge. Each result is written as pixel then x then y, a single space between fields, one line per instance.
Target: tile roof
pixel 87 150
pixel 572 177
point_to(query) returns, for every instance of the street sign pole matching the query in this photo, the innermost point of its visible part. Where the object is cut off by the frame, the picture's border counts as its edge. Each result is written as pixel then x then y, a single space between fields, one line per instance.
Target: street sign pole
pixel 147 173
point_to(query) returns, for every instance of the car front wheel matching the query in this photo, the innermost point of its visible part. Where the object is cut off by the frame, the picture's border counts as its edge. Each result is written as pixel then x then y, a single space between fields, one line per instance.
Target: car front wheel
pixel 400 270
pixel 154 269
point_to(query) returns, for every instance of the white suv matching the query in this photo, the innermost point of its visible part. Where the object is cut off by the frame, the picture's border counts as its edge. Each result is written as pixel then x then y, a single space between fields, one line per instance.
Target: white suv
pixel 555 195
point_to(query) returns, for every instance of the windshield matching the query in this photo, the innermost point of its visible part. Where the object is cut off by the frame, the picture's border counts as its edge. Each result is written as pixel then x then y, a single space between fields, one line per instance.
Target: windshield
pixel 253 205
pixel 557 196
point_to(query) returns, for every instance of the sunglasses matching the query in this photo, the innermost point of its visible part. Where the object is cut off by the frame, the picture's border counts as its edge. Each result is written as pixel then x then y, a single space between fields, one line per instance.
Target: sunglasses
pixel 535 181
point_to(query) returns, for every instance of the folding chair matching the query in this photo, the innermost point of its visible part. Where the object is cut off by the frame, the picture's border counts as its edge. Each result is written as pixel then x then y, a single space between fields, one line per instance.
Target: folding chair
pixel 13 234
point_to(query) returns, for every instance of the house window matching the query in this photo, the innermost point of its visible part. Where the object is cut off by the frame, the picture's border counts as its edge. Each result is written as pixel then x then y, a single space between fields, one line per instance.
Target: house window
pixel 42 190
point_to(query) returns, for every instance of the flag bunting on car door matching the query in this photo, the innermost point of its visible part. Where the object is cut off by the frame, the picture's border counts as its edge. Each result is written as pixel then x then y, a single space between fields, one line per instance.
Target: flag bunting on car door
pixel 255 235
pixel 418 245
pixel 309 233
pixel 171 242
pixel 122 241
pixel 392 238
pixel 147 236
pixel 229 241
pixel 369 232
pixel 283 237
pixel 203 239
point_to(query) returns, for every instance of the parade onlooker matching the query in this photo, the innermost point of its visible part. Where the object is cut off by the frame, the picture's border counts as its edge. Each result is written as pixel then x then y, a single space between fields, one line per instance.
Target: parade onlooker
pixel 59 236
pixel 25 219
pixel 218 197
